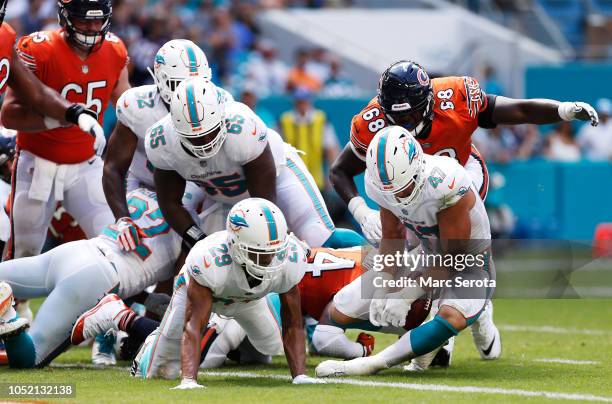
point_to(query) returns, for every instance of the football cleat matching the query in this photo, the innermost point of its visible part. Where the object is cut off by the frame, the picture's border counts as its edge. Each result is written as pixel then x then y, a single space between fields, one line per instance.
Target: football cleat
pixel 98 320
pixel 103 349
pixel 354 367
pixel 10 322
pixel 486 335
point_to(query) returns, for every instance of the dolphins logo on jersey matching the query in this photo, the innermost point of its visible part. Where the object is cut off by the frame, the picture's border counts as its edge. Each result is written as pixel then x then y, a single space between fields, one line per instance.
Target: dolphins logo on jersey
pixel 237 220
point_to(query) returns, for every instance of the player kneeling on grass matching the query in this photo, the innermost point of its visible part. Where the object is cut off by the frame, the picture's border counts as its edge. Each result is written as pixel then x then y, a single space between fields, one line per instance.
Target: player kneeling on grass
pixel 74 276
pixel 229 273
pixel 434 199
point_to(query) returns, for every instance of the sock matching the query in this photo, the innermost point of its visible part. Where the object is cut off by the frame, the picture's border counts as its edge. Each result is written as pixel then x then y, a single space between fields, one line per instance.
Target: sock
pixel 331 341
pixel 421 340
pixel 343 238
pixel 125 319
pixel 20 351
pixel 139 328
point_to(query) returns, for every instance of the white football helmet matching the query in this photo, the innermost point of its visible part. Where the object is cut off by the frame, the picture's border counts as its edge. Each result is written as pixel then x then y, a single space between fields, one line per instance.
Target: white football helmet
pixel 394 162
pixel 258 237
pixel 198 115
pixel 176 61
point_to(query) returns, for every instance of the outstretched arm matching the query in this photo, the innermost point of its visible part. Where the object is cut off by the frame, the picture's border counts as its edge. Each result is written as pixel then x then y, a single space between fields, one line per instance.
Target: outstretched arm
pixel 511 111
pixel 342 173
pixel 293 331
pixel 121 147
pixel 261 176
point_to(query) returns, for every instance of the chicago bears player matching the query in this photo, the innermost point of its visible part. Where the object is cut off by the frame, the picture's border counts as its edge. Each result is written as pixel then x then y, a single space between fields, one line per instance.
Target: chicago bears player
pixel 74 276
pixel 231 154
pixel 85 63
pixel 34 93
pixel 137 109
pixel 230 273
pixel 443 113
pixel 431 199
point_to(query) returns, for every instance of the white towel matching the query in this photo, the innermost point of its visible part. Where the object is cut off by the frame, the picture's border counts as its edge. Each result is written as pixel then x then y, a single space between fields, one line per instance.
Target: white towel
pixel 48 175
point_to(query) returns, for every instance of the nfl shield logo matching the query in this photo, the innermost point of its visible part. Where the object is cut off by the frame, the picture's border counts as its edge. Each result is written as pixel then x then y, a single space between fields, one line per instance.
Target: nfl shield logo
pixel 85 69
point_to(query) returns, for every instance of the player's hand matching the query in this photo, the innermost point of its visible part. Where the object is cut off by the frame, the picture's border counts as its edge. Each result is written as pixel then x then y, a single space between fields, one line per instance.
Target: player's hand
pixel 88 122
pixel 129 234
pixel 368 219
pixel 367 341
pixel 377 305
pixel 188 384
pixel 304 379
pixel 568 111
pixel 395 311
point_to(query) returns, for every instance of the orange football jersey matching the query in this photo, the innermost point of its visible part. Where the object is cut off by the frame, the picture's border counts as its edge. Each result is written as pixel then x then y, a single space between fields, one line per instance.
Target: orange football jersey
pixel 332 270
pixel 457 103
pixel 7 41
pixel 89 81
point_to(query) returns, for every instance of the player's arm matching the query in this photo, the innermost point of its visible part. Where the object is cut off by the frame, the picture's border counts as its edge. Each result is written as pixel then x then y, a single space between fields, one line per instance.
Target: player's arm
pixel 393 236
pixel 342 172
pixel 170 188
pixel 122 85
pixel 293 331
pixel 28 101
pixel 511 111
pixel 260 175
pixel 455 226
pixel 197 313
pixel 121 147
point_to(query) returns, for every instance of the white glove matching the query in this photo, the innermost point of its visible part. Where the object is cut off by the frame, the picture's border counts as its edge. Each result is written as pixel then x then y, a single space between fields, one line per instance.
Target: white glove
pixel 188 384
pixel 377 304
pixel 304 379
pixel 89 124
pixel 398 305
pixel 368 219
pixel 568 111
pixel 128 234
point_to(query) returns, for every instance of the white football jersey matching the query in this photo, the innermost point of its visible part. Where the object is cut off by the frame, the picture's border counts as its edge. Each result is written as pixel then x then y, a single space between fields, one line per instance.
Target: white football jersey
pixel 221 176
pixel 209 263
pixel 154 259
pixel 446 181
pixel 139 108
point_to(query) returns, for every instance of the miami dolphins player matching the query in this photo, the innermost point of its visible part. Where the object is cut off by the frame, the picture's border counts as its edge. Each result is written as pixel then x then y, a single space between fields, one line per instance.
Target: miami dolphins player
pixel 229 151
pixel 74 276
pixel 126 166
pixel 430 198
pixel 230 272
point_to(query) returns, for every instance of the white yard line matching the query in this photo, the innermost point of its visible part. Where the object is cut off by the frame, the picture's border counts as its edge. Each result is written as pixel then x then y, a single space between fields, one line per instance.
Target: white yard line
pixel 429 387
pixel 551 329
pixel 566 361
pixel 408 386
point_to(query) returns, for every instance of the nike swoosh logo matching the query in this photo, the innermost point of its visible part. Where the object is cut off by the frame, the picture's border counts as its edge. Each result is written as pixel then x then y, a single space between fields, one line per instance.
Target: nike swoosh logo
pixel 488 350
pixel 254 132
pixel 452 184
pixel 206 264
pixel 125 103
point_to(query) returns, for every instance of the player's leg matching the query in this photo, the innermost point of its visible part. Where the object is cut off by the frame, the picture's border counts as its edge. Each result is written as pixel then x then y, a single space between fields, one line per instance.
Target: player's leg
pixel 77 276
pixel 262 326
pixel 160 355
pixel 85 200
pixel 299 198
pixel 30 216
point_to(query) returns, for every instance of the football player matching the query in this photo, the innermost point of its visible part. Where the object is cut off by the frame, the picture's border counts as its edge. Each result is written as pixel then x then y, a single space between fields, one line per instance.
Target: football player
pixel 431 199
pixel 125 165
pixel 85 63
pixel 74 276
pixel 231 154
pixel 35 94
pixel 443 113
pixel 230 272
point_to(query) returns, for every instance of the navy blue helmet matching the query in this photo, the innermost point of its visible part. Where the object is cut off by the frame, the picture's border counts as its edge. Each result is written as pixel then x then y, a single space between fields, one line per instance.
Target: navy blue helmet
pixel 405 95
pixel 83 12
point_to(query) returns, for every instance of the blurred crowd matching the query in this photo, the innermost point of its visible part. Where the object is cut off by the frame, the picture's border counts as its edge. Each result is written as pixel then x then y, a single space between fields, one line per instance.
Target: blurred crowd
pixel 226 30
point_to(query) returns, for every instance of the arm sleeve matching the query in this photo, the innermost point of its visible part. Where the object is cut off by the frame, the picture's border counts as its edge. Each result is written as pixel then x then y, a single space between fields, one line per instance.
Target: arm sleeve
pixel 456 184
pixel 250 143
pixel 32 55
pixel 485 117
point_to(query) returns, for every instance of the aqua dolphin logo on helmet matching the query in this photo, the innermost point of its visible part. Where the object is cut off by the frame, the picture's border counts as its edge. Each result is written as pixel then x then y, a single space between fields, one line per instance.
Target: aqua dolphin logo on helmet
pixel 237 221
pixel 412 152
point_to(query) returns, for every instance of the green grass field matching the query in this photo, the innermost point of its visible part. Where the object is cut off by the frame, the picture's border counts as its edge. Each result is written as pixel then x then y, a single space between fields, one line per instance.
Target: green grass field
pixel 534 332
